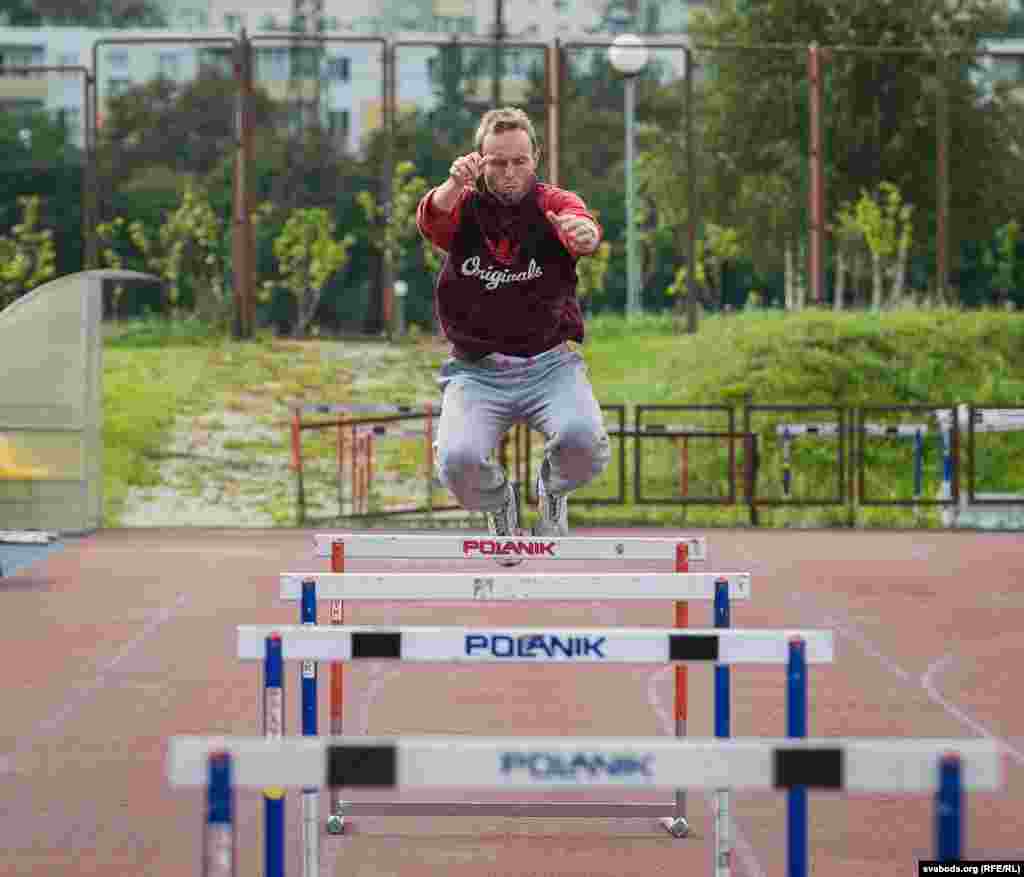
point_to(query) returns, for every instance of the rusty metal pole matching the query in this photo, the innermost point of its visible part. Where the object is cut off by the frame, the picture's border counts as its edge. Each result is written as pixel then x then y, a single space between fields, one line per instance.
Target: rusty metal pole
pixel 942 182
pixel 248 136
pixel 691 183
pixel 817 189
pixel 499 36
pixel 242 244
pixel 387 182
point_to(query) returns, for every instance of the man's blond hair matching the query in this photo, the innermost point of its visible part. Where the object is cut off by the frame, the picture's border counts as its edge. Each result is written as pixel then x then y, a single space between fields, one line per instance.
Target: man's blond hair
pixel 506 119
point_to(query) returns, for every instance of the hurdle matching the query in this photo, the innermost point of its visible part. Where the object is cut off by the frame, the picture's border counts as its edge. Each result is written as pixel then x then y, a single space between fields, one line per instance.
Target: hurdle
pixel 789 432
pixel 340 547
pixel 480 644
pixel 722 646
pixel 946 768
pixel 976 419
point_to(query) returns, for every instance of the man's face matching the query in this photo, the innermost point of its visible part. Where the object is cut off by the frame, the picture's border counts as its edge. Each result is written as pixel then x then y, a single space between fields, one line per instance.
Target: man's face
pixel 510 165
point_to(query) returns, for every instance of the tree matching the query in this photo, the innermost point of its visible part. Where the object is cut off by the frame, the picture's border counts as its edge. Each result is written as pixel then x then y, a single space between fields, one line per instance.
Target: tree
pixel 1001 259
pixel 722 247
pixel 885 226
pixel 189 252
pixel 455 75
pixel 41 160
pixel 592 271
pixel 850 249
pixel 186 126
pixel 392 235
pixel 28 258
pixel 308 255
pixel 880 109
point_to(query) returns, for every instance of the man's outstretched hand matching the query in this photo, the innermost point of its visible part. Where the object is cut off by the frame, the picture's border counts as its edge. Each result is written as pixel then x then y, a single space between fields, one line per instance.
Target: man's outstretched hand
pixel 579 231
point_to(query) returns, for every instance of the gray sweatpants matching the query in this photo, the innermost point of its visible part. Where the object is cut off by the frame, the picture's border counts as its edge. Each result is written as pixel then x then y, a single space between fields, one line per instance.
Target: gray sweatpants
pixel 483 400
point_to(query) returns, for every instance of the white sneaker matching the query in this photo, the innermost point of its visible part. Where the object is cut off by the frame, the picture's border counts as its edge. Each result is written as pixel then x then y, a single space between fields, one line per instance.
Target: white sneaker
pixel 553 511
pixel 504 523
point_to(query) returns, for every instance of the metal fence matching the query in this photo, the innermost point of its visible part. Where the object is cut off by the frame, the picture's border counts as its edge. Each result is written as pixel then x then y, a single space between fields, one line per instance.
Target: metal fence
pixel 757 456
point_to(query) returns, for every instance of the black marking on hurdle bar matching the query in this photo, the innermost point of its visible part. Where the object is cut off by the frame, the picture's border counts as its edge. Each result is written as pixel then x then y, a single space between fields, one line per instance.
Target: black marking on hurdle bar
pixel 376 645
pixel 350 766
pixel 699 647
pixel 813 768
pixel 858 428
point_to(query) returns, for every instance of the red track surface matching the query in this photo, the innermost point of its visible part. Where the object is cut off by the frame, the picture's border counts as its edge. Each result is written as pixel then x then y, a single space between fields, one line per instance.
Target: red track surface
pixel 127 638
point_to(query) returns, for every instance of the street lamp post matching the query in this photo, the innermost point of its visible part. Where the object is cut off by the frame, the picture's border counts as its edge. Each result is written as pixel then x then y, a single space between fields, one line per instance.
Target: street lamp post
pixel 628 55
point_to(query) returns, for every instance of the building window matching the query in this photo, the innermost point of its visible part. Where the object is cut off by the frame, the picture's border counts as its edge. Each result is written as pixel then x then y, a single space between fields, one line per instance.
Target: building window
pixel 216 61
pixel 22 56
pixel 337 123
pixel 272 64
pixel 232 22
pixel 338 69
pixel 169 65
pixel 118 60
pixel 117 85
pixel 72 118
pixel 306 61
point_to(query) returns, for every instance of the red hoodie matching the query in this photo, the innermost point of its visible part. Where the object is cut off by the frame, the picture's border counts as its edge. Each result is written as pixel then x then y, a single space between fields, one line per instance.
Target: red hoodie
pixel 508 283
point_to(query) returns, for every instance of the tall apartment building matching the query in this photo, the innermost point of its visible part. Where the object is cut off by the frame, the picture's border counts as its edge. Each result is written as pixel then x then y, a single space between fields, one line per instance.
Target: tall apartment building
pixel 347 92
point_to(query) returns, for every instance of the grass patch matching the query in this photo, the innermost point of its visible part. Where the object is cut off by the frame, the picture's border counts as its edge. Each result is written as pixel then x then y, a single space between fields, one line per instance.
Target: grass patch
pixel 766 358
pixel 143 390
pixel 153 333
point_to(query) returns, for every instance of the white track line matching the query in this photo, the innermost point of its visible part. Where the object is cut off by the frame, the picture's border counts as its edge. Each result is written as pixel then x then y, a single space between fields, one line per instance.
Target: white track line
pixel 751 865
pixel 924 682
pixel 84 692
pixel 934 667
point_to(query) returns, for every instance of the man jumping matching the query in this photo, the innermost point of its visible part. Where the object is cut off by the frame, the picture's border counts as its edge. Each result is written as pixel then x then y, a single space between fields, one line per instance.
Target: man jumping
pixel 506 301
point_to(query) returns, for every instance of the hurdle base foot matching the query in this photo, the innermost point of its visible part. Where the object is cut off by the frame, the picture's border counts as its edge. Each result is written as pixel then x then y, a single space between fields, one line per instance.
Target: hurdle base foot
pixel 677 826
pixel 335 824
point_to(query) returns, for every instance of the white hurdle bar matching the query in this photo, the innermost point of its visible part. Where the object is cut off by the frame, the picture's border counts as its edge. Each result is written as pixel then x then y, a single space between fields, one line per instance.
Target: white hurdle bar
pixel 420 586
pixel 341 547
pixel 872 765
pixel 360 546
pixel 479 644
pixel 849 766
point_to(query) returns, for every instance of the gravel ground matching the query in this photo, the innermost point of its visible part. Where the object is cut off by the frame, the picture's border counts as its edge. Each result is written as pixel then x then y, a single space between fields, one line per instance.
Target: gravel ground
pixel 204 484
pixel 207 480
